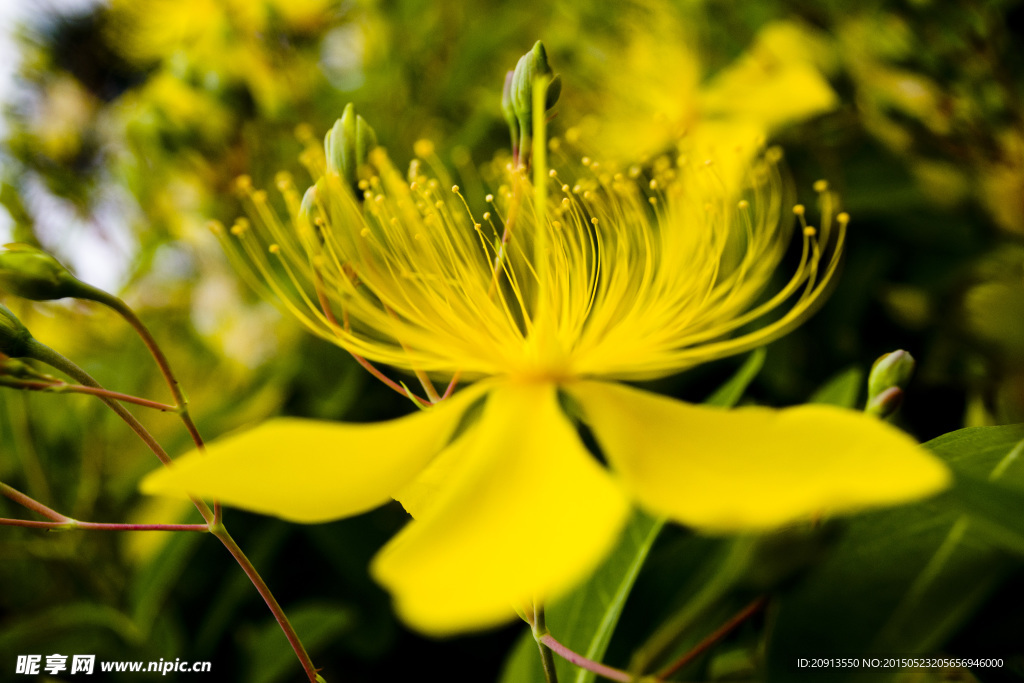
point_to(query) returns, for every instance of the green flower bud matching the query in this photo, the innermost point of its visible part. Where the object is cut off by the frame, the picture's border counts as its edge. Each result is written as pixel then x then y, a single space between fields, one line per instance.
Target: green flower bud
pixel 33 274
pixel 309 209
pixel 885 404
pixel 14 337
pixel 517 97
pixel 348 145
pixel 16 369
pixel 531 66
pixel 891 370
pixel 889 376
pixel 508 110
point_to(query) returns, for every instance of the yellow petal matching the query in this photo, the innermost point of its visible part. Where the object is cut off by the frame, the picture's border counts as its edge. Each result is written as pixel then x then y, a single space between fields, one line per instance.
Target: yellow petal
pixel 310 471
pixel 525 513
pixel 753 468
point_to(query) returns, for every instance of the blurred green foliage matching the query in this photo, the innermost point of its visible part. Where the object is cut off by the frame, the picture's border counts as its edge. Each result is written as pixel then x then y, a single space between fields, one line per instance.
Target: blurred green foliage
pixel 133 120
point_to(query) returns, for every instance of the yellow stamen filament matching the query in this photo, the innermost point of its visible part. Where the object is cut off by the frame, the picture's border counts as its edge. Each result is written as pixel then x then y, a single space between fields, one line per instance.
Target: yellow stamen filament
pixel 613 273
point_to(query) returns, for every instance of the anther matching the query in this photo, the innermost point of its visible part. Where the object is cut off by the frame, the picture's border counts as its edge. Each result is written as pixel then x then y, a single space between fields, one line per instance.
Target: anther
pixel 487 215
pixel 799 210
pixel 489 198
pixel 593 220
pixel 455 189
pixel 809 231
pixel 820 185
pixel 552 173
pixel 743 204
pixel 423 148
pixel 274 249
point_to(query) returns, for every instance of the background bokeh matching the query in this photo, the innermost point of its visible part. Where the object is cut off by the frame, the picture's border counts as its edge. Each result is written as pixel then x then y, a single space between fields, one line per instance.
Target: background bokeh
pixel 125 124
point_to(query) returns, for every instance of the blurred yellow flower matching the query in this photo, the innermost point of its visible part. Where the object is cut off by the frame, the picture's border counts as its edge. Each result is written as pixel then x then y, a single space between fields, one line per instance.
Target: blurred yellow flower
pixel 562 285
pixel 221 41
pixel 654 89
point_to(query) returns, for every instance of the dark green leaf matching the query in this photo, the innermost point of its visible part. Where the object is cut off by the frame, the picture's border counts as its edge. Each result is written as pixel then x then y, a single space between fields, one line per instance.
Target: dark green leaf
pixel 902 580
pixel 842 390
pixel 318 624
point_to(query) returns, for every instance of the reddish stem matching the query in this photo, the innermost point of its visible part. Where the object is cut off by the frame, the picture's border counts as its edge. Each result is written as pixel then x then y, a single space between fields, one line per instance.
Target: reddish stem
pixel 32 504
pixel 329 314
pixel 584 663
pixel 282 619
pixel 61 387
pixel 706 644
pixel 100 526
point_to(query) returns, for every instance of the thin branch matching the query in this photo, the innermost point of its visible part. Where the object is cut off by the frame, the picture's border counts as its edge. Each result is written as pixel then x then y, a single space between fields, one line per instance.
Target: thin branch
pixel 329 314
pixel 589 664
pixel 122 309
pixel 709 642
pixel 74 524
pixel 32 504
pixel 63 387
pixel 282 619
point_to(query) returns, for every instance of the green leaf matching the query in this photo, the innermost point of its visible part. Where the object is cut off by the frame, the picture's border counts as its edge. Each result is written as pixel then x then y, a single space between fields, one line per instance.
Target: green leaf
pixel 730 393
pixel 43 627
pixel 902 580
pixel 584 620
pixel 271 658
pixel 842 390
pixel 159 577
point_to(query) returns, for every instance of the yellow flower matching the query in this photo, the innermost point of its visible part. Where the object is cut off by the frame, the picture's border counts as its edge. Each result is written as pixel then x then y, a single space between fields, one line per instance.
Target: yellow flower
pixel 655 88
pixel 561 286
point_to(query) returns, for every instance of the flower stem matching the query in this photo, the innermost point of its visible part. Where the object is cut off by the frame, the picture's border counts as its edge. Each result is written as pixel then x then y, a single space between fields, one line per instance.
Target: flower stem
pixel 590 665
pixel 64 387
pixel 32 504
pixel 45 354
pixel 329 314
pixel 709 642
pixel 41 352
pixel 547 660
pixel 122 309
pixel 100 526
pixel 293 638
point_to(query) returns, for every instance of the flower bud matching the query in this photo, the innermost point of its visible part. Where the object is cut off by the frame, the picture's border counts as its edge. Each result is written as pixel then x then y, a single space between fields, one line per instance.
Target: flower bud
pixel 889 376
pixel 517 100
pixel 14 337
pixel 886 403
pixel 33 274
pixel 348 145
pixel 15 369
pixel 508 110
